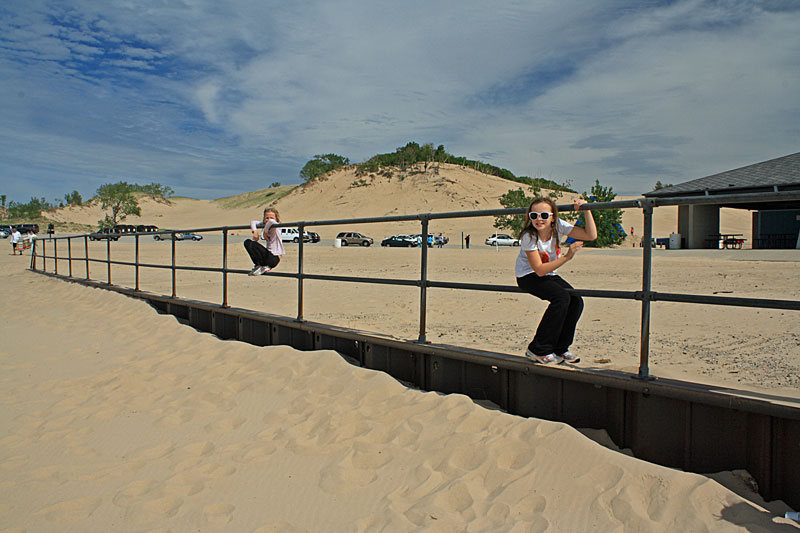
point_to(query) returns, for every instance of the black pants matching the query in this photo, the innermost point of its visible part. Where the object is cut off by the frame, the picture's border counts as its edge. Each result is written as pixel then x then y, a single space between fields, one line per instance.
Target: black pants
pixel 260 255
pixel 557 328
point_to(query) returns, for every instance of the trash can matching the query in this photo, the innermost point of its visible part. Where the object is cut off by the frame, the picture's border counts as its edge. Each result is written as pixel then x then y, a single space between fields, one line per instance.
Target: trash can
pixel 337 243
pixel 674 241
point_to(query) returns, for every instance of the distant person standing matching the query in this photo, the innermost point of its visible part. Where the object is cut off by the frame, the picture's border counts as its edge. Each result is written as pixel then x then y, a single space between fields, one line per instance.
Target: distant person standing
pixel 439 241
pixel 466 240
pixel 15 238
pixel 265 258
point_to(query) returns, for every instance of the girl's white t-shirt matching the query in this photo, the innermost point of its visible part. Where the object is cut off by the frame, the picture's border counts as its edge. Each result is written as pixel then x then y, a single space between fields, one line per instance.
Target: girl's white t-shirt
pixel 547 249
pixel 270 234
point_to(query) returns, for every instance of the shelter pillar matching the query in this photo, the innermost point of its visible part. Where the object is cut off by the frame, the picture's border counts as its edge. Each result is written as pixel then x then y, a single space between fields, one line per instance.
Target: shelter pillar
pixel 696 223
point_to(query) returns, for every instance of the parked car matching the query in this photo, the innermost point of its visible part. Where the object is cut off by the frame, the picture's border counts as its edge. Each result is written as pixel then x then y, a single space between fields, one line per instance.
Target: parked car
pixel 313 236
pixel 193 236
pixel 177 236
pixel 141 228
pixel 25 228
pixel 351 237
pixel 431 239
pixel 104 234
pixel 5 231
pixel 124 228
pixel 501 239
pixel 293 235
pixel 406 241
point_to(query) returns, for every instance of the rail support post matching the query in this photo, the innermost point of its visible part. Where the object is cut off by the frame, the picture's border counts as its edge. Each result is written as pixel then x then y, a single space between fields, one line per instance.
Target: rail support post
pixel 647 263
pixel 174 281
pixel 301 231
pixel 225 267
pixel 137 262
pixel 423 282
pixel 86 250
pixel 108 258
pixel 69 254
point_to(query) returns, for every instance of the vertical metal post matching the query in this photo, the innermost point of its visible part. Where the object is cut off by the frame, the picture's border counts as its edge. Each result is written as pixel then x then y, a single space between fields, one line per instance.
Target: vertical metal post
pixel 86 248
pixel 225 268
pixel 647 263
pixel 108 258
pixel 33 255
pixel 44 257
pixel 55 256
pixel 136 261
pixel 173 265
pixel 69 254
pixel 301 231
pixel 423 282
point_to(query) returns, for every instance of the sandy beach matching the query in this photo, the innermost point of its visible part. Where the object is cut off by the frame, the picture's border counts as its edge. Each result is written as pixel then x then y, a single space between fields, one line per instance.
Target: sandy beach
pixel 148 425
pixel 118 418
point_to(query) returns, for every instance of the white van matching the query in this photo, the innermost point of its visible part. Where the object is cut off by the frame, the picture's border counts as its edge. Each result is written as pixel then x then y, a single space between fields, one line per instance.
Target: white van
pixel 292 235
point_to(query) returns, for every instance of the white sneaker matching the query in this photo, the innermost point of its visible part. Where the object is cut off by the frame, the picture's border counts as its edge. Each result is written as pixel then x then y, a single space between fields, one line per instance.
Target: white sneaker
pixel 569 357
pixel 257 271
pixel 543 359
pixel 265 269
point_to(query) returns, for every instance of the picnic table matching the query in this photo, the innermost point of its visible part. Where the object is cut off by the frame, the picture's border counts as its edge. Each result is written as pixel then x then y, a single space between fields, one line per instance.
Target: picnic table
pixel 730 241
pixel 776 240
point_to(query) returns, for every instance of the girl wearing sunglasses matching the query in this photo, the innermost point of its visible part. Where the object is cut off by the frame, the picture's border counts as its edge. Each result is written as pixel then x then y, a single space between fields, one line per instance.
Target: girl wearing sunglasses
pixel 539 257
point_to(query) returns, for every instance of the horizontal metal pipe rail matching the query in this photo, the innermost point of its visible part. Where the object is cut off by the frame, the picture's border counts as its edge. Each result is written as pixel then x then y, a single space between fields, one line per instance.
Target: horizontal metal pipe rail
pixel 673 423
pixel 645 296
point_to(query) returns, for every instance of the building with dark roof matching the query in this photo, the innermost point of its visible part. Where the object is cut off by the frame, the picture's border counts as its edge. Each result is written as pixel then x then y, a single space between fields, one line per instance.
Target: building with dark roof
pixel 775 224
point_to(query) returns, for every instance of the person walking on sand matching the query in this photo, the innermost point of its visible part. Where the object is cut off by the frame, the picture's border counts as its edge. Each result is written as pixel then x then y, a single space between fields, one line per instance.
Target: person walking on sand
pixel 16 236
pixel 265 258
pixel 466 240
pixel 539 257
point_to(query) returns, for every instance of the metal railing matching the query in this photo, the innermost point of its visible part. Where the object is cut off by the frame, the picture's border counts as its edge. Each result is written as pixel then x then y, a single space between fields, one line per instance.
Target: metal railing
pixel 646 295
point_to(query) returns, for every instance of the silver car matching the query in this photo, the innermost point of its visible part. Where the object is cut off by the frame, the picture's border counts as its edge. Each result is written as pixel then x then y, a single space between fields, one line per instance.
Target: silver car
pixel 351 237
pixel 501 239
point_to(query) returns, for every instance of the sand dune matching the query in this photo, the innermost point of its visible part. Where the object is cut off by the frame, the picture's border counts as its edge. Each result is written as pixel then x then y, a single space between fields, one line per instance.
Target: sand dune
pixel 344 194
pixel 146 424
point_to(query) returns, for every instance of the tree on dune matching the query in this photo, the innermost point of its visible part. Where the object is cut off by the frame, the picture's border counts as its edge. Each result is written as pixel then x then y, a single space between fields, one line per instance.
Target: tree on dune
pixel 120 199
pixel 73 198
pixel 519 198
pixel 608 221
pixel 321 164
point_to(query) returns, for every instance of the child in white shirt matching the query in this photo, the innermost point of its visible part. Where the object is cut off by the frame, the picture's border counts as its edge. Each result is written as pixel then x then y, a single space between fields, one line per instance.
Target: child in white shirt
pixel 265 258
pixel 539 257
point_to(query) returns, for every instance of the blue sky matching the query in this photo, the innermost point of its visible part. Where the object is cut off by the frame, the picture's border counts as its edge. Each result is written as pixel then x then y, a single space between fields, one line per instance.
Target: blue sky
pixel 218 97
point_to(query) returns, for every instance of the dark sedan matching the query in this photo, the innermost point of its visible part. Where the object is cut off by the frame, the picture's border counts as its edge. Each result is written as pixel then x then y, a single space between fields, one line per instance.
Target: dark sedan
pixel 400 241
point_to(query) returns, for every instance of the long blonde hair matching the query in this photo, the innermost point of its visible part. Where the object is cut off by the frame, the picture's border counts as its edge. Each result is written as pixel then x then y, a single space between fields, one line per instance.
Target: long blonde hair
pixel 528 226
pixel 272 209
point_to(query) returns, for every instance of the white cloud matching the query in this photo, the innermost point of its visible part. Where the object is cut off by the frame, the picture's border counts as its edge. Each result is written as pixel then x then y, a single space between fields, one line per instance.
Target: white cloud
pixel 624 92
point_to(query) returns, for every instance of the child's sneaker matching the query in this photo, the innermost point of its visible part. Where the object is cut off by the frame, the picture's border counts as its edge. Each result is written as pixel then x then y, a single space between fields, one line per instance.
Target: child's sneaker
pixel 543 359
pixel 265 269
pixel 569 357
pixel 257 271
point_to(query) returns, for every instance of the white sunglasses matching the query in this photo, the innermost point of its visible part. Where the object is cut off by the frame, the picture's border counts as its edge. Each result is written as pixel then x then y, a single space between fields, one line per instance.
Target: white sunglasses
pixel 533 215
